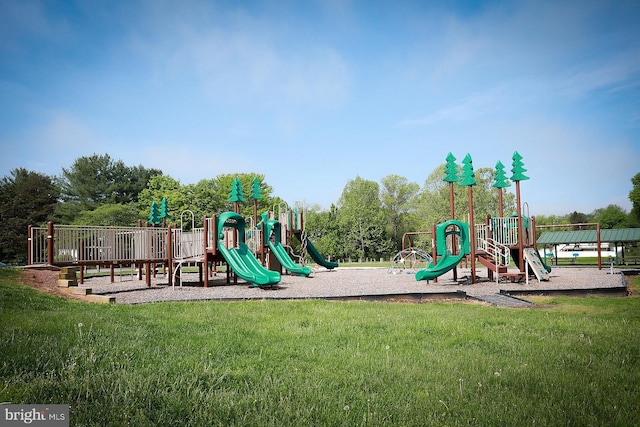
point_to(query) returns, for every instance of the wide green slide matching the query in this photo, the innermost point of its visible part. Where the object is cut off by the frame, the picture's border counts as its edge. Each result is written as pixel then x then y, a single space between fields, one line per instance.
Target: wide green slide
pixel 447 261
pixel 272 237
pixel 313 252
pixel 241 260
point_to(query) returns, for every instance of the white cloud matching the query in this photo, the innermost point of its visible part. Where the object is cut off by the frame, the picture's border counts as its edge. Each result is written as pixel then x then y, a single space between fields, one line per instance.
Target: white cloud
pixel 473 107
pixel 65 132
pixel 240 60
pixel 195 162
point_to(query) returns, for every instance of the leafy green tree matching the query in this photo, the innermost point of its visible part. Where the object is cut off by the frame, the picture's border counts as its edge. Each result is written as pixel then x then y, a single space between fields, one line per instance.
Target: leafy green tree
pixel 363 220
pixel 178 196
pixel 323 229
pixel 110 214
pixel 577 218
pixel 398 197
pixel 96 180
pixel 222 184
pixel 433 200
pixel 206 198
pixel 613 216
pixel 26 198
pixel 552 220
pixel 634 196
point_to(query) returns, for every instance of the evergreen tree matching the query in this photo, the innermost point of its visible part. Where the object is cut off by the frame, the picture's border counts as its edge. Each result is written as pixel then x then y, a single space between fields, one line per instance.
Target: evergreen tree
pixel 154 214
pixel 256 190
pixel 468 176
pixel 164 209
pixel 451 170
pixel 96 180
pixel 500 178
pixel 236 196
pixel 518 168
pixel 26 198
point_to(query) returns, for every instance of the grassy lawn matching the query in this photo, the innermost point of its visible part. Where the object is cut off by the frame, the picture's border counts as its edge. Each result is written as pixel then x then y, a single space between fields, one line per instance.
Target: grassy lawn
pixel 266 363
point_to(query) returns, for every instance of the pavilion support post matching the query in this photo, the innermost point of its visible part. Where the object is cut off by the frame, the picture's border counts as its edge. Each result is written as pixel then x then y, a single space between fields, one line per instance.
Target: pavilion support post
pixel 599 249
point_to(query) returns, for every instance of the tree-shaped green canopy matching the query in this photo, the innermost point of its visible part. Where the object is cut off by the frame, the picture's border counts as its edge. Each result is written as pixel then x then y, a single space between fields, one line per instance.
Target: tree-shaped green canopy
pixel 518 168
pixel 451 170
pixel 154 214
pixel 468 175
pixel 236 192
pixel 256 191
pixel 500 179
pixel 164 209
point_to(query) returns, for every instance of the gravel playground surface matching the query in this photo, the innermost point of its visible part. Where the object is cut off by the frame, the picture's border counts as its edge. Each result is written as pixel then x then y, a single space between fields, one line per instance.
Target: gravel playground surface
pixel 349 283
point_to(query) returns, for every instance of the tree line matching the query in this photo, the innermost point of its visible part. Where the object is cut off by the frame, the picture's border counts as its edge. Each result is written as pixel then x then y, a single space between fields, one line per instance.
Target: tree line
pixel 369 219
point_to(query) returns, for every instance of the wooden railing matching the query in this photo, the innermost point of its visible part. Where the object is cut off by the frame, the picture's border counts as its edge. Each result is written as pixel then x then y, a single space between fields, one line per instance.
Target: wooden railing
pixel 65 244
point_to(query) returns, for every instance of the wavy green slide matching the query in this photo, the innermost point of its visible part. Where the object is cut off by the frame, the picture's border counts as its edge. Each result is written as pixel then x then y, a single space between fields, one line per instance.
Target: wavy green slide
pixel 241 260
pixel 281 254
pixel 447 261
pixel 315 255
pixel 273 229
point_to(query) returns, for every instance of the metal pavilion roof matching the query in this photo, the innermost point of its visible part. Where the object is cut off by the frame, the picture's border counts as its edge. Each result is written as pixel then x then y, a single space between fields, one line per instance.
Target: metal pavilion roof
pixel 616 235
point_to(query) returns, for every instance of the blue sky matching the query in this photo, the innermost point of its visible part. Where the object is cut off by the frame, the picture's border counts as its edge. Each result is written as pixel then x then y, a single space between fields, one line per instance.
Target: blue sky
pixel 314 93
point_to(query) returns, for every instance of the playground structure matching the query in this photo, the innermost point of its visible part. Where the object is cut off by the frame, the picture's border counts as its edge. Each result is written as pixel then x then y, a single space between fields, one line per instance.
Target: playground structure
pixel 493 243
pixel 223 238
pixel 258 251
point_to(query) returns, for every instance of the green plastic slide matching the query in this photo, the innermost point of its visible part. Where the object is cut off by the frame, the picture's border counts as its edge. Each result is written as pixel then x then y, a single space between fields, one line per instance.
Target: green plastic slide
pixel 281 254
pixel 241 260
pixel 272 238
pixel 447 261
pixel 245 265
pixel 315 255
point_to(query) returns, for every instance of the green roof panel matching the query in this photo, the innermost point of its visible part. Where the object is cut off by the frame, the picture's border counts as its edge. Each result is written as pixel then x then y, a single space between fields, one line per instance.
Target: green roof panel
pixel 617 235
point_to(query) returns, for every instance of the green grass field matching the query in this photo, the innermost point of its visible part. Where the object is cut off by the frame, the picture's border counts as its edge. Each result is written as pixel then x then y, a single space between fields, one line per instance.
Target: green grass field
pixel 266 363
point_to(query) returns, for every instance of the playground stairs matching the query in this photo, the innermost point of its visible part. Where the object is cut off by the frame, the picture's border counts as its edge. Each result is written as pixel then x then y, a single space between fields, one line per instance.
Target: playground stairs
pixel 88 295
pixel 489 261
pixel 501 270
pixel 68 283
pixel 67 277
